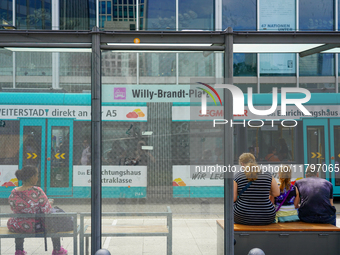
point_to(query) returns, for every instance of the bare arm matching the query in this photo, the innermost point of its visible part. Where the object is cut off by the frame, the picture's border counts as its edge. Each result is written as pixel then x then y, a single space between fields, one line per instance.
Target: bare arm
pixel 274 190
pixel 297 199
pixel 235 191
pixel 331 200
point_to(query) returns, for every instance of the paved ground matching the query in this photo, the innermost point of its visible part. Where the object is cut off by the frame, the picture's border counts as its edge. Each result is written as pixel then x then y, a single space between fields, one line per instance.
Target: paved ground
pixel 194 229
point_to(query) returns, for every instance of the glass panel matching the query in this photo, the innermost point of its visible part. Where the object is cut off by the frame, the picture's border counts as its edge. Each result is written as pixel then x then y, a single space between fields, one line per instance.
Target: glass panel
pixel 311 18
pixel 33 64
pixel 268 88
pixel 119 67
pixel 161 15
pixel 195 65
pixel 32 147
pixel 9 149
pixel 6 69
pixel 77 16
pixel 123 17
pixel 157 68
pixel 317 65
pixel 244 87
pixel 60 146
pixel 278 64
pixel 149 151
pixel 6 12
pixel 240 15
pixel 197 14
pixel 272 144
pixel 34 14
pixel 316 146
pixel 319 87
pixel 277 15
pixel 336 153
pixel 245 64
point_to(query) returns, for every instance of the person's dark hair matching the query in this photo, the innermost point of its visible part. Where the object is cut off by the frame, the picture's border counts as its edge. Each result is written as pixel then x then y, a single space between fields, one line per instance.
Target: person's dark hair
pixel 26 173
pixel 271 149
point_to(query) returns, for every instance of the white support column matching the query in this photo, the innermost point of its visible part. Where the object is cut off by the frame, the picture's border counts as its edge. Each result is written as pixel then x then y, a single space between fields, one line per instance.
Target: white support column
pixel 297 70
pixel 97 13
pixel 13 53
pixel 297 16
pixel 14 12
pixel 218 15
pixel 177 24
pixel 137 66
pixel 137 15
pixel 55 55
pixel 177 68
pixel 336 73
pixel 14 70
pixel 258 72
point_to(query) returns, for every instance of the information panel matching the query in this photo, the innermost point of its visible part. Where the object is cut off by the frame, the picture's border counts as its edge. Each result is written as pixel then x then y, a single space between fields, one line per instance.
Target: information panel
pixel 277 15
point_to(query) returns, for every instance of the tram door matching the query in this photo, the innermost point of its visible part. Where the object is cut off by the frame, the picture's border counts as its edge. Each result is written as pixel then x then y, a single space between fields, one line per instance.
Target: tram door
pixel 47 144
pixel 321 147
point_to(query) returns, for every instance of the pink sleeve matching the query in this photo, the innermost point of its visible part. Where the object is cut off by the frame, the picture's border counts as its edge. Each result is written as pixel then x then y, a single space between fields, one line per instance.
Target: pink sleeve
pixel 43 202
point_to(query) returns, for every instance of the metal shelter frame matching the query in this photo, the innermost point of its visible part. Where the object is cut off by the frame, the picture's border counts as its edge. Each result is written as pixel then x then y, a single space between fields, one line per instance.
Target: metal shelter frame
pixel 123 40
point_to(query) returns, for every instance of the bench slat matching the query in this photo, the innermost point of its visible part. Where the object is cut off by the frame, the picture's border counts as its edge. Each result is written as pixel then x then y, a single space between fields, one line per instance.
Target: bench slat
pixel 131 229
pixel 5 231
pixel 282 227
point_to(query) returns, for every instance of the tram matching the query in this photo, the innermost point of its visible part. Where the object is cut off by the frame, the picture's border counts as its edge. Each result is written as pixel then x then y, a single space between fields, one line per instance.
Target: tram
pixel 153 149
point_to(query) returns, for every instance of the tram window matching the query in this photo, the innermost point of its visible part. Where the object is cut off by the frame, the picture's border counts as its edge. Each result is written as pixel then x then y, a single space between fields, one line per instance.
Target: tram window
pixel 272 144
pixel 82 143
pixel 196 143
pixel 122 144
pixel 316 146
pixel 9 140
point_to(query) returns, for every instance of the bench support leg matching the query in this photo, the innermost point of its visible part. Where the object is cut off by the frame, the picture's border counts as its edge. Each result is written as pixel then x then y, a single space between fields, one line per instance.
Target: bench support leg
pixel 87 245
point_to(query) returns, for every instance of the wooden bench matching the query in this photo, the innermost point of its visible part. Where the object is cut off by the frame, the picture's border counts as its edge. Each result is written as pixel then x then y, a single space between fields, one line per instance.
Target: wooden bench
pixel 283 238
pixel 5 233
pixel 130 230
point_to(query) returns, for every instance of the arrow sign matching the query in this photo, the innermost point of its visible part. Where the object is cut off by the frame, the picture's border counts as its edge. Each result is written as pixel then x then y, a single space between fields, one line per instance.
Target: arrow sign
pixel 34 156
pixel 57 155
pixel 29 155
pixel 313 155
pixel 62 156
pixel 319 155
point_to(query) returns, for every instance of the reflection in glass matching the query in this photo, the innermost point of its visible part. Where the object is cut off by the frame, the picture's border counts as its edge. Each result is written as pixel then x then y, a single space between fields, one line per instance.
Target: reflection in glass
pixel 121 65
pixel 316 146
pixel 316 15
pixel 157 64
pixel 77 16
pixel 119 15
pixel 277 64
pixel 6 13
pixel 32 147
pixel 268 87
pixel 240 15
pixel 6 69
pixel 244 87
pixel 319 87
pixel 245 64
pixel 262 142
pixel 160 15
pixel 196 64
pixel 197 14
pixel 9 140
pixel 60 148
pixel 75 71
pixel 336 154
pixel 317 65
pixel 34 14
